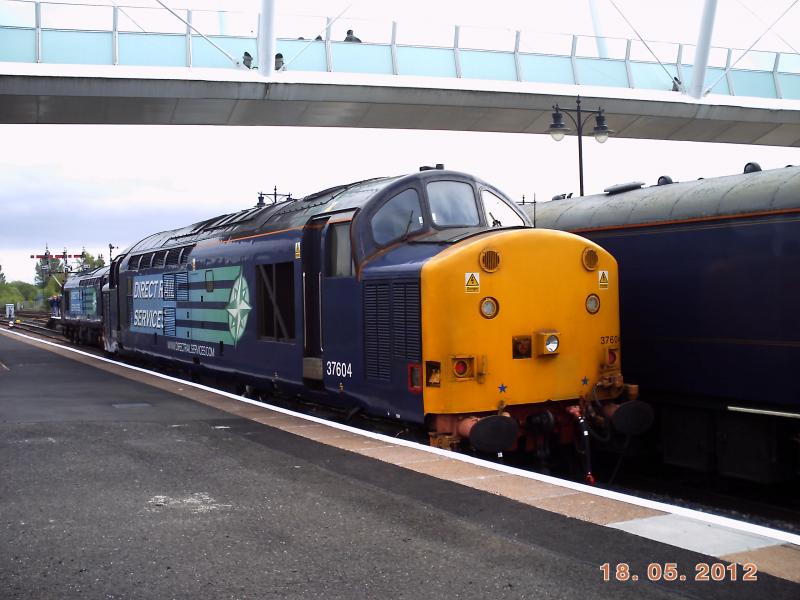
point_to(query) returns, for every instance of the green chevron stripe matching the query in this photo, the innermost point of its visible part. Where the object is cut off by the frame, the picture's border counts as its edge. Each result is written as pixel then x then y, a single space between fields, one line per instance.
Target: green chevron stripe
pixel 204 335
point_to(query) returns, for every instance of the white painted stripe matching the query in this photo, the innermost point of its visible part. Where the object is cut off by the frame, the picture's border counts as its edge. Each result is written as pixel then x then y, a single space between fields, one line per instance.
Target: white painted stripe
pixel 5 368
pixel 759 411
pixel 694 535
pixel 776 534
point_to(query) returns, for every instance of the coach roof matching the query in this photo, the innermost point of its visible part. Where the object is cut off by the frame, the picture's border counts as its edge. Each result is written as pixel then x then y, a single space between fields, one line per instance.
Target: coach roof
pixel 757 192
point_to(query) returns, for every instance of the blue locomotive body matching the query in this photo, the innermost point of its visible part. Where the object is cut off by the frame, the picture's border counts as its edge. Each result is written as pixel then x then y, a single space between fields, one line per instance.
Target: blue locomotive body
pixel 278 297
pixel 82 314
pixel 708 291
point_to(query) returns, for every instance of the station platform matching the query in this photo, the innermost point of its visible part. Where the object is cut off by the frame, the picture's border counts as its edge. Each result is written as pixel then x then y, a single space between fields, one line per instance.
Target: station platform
pixel 117 483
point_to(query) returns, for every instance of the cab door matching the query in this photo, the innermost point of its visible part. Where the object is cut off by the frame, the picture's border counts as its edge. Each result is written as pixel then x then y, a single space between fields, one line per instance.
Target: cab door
pixel 341 308
pixel 313 261
pixel 111 322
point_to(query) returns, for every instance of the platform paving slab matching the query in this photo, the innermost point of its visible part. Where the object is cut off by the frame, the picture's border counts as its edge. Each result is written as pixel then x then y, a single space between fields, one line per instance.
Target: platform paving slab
pixel 688 533
pixel 783 560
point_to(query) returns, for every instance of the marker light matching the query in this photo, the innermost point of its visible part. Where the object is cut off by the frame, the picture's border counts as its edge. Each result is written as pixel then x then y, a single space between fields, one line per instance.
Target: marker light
pixel 521 346
pixel 460 368
pixel 463 367
pixel 551 345
pixel 592 303
pixel 611 357
pixel 489 308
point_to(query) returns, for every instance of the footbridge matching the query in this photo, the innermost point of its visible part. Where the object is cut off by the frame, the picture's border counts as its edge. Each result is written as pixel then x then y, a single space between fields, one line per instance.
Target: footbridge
pixel 133 65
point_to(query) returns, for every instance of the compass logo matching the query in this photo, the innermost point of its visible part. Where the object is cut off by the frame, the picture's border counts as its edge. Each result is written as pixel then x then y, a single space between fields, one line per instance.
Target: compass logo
pixel 238 308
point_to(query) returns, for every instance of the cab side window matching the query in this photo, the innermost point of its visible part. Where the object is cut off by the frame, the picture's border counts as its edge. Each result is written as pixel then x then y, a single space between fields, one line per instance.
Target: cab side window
pixel 399 217
pixel 340 258
pixel 498 212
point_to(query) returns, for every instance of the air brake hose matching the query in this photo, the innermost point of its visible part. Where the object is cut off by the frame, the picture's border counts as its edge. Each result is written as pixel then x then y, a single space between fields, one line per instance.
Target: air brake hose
pixel 587 450
pixel 599 411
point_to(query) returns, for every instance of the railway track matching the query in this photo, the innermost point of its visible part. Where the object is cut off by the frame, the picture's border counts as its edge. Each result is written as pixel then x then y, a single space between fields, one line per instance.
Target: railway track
pixel 769 505
pixel 34 316
pixel 39 323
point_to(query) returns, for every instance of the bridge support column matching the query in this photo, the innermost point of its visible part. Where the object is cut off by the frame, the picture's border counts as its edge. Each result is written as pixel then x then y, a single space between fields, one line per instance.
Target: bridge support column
pixel 703 47
pixel 266 38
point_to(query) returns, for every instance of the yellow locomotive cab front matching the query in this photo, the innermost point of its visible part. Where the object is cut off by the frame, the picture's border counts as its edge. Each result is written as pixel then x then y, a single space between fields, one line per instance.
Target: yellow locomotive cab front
pixel 517 322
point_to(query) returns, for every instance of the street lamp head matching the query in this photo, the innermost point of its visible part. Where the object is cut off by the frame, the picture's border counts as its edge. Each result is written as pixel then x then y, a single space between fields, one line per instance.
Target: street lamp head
pixel 601 136
pixel 601 130
pixel 557 129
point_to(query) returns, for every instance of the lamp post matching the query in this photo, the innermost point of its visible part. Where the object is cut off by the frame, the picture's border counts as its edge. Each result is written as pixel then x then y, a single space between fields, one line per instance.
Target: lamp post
pixel 558 129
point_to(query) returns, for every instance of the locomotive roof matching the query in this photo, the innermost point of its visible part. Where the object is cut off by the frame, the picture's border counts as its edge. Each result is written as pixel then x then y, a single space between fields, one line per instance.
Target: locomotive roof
pixel 284 215
pixel 281 215
pixel 76 278
pixel 757 192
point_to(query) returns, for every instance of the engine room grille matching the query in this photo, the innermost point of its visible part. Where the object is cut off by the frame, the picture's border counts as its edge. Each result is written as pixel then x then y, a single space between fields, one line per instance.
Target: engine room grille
pixel 406 321
pixel 169 322
pixel 391 326
pixel 377 331
pixel 169 287
pixel 182 287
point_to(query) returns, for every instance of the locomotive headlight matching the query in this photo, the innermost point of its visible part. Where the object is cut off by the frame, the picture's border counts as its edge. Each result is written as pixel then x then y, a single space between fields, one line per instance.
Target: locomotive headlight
pixel 551 344
pixel 489 308
pixel 548 343
pixel 592 303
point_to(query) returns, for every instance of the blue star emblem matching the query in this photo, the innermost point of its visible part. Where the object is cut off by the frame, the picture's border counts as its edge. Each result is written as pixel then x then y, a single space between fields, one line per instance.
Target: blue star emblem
pixel 502 388
pixel 585 381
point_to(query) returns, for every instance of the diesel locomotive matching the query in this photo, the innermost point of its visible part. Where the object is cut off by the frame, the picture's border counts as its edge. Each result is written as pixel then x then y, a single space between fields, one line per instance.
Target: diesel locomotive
pixel 426 298
pixel 709 282
pixel 82 310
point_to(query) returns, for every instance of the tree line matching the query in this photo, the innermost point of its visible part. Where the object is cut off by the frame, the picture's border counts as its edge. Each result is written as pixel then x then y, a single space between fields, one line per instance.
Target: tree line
pixel 47 281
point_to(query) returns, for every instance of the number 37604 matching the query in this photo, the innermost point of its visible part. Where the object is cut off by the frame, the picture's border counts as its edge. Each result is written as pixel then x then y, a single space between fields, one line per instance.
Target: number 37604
pixel 339 369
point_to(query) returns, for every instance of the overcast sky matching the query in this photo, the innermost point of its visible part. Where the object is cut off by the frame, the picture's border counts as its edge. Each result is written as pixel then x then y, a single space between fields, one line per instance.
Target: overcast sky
pixel 91 185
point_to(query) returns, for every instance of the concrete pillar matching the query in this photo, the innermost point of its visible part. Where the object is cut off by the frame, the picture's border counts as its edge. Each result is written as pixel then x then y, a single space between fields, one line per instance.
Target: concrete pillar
pixel 266 38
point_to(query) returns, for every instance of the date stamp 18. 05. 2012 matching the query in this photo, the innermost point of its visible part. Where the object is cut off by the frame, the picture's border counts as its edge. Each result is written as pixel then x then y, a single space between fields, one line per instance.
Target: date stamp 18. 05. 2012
pixel 671 572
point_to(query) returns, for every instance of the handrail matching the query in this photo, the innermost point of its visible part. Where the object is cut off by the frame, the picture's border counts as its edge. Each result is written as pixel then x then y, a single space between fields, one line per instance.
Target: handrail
pixel 193 28
pixel 524 49
pixel 523 44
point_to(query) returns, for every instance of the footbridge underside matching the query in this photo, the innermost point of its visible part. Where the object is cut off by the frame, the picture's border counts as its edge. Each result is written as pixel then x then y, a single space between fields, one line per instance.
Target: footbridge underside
pixel 114 95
